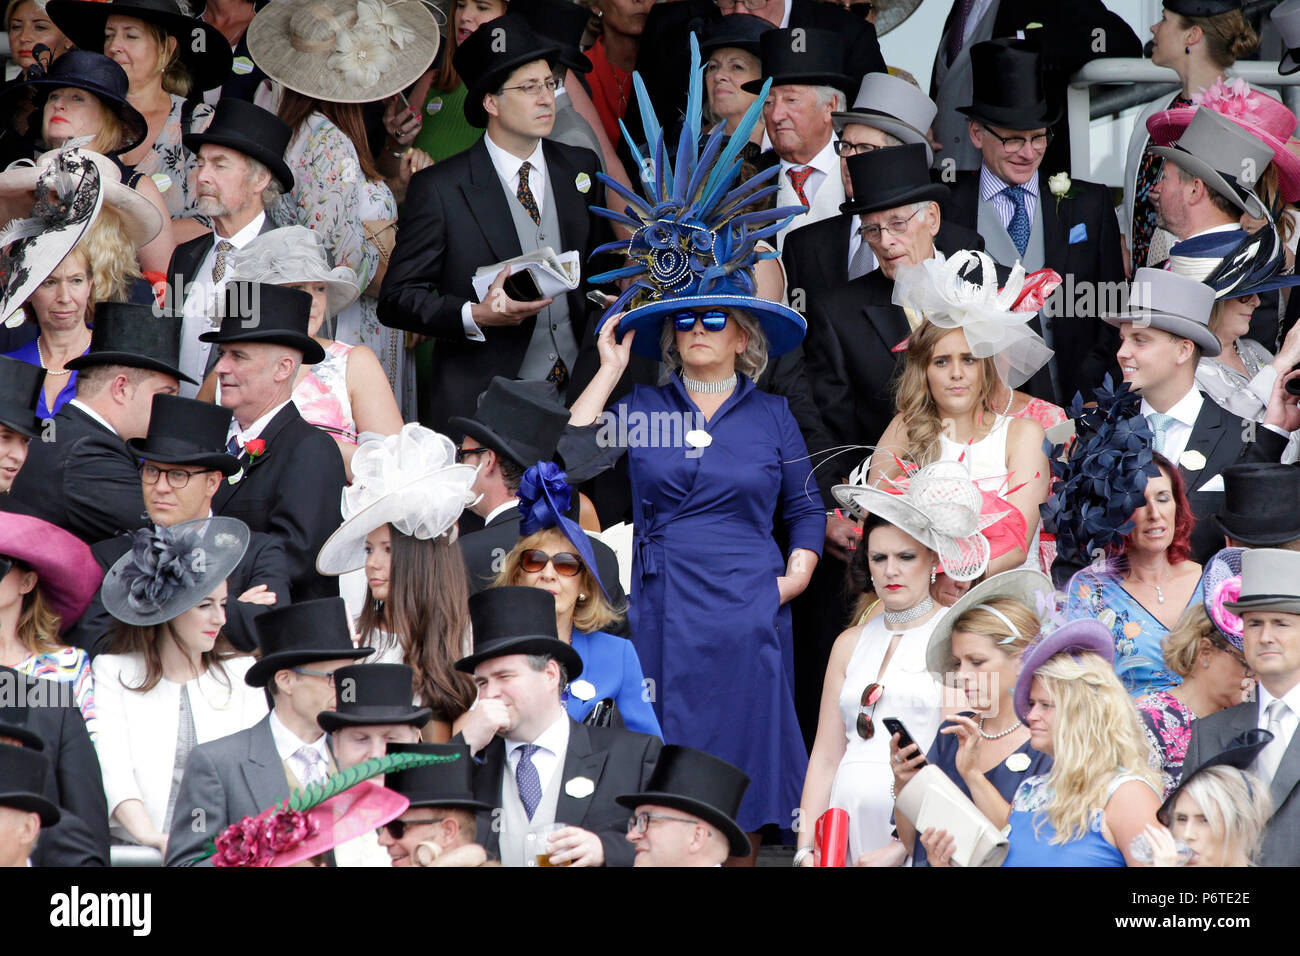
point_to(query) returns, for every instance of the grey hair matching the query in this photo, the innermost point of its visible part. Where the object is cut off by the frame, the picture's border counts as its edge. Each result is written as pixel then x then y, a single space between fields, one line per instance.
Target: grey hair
pixel 273 191
pixel 538 663
pixel 750 362
pixel 829 94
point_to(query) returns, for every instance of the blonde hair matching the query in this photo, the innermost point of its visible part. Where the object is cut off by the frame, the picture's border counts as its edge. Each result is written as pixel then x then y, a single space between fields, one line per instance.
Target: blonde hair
pixel 1237 806
pixel 1097 735
pixel 750 362
pixel 986 624
pixel 1183 643
pixel 38 625
pixel 110 257
pixel 913 402
pixel 594 613
pixel 175 75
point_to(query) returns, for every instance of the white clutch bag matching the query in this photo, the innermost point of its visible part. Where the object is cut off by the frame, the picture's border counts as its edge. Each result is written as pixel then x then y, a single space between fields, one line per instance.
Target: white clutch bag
pixel 931 799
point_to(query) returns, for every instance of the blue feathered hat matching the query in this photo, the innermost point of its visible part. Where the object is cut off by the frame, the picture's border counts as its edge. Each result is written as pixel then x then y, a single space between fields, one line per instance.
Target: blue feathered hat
pixel 694 235
pixel 1235 263
pixel 544 500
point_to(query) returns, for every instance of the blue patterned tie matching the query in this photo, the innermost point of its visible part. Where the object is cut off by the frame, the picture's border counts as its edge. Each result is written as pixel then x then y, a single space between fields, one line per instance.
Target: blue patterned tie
pixel 1018 228
pixel 232 446
pixel 1159 423
pixel 527 780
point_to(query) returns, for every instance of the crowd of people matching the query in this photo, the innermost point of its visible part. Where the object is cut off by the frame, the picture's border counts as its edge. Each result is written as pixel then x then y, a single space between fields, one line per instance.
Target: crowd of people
pixel 581 422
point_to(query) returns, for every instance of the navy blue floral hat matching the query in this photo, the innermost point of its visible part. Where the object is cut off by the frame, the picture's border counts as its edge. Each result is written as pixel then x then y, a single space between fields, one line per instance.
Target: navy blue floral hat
pixel 694 235
pixel 170 570
pixel 1235 263
pixel 1103 478
pixel 544 500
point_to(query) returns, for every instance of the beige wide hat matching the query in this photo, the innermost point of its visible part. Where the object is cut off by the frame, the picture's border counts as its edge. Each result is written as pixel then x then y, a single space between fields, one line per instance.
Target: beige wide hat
pixel 344 51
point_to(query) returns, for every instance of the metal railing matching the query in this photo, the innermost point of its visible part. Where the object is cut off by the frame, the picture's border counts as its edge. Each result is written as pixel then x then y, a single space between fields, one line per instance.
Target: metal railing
pixel 1147 81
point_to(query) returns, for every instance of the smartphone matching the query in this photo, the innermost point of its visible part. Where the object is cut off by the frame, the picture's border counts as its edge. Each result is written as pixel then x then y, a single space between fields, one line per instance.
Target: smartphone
pixel 522 287
pixel 895 726
pixel 599 298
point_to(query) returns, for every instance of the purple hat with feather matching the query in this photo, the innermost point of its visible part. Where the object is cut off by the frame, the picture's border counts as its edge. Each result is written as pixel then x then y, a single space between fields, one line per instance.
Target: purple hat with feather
pixel 1083 635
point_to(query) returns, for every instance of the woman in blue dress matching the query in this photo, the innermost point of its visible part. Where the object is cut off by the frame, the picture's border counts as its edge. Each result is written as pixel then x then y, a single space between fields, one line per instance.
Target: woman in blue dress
pixel 554 554
pixel 1141 593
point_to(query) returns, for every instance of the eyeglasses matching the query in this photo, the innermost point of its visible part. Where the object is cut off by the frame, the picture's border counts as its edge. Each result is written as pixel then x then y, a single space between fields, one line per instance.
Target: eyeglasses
pixel 871 695
pixel 897 227
pixel 714 320
pixel 846 149
pixel 1014 144
pixel 397 828
pixel 533 87
pixel 640 822
pixel 329 676
pixel 463 453
pixel 1227 648
pixel 534 560
pixel 178 478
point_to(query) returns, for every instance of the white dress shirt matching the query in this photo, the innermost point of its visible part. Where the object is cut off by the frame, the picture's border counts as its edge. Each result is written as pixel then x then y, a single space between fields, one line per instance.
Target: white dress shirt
pixel 507 166
pixel 201 304
pixel 500 509
pixel 824 164
pixel 991 191
pixel 1177 433
pixel 1290 717
pixel 93 414
pixel 245 435
pixel 552 744
pixel 287 743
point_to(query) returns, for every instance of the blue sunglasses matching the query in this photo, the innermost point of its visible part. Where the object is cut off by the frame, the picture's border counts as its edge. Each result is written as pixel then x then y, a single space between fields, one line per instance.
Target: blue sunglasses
pixel 714 320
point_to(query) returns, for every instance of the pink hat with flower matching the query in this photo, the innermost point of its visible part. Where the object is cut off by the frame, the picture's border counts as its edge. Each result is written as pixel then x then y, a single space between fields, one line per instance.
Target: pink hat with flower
pixel 1259 114
pixel 1223 583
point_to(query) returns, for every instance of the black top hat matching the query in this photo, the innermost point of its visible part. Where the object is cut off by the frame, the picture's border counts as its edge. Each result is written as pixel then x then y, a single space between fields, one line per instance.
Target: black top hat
pixel 1008 86
pixel 740 30
pixel 202 48
pixel 891 177
pixel 515 620
pixel 437 785
pixel 250 130
pixel 369 694
pixel 1261 504
pixel 24 778
pixel 802 57
pixel 300 634
pixel 20 393
pixel 699 784
pixel 1241 753
pixel 81 70
pixel 275 314
pixel 560 22
pixel 13 724
pixel 520 420
pixel 184 431
pixel 139 336
pixel 491 53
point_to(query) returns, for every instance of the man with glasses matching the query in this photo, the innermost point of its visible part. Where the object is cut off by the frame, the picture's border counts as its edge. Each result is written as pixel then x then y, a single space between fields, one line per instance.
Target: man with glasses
pixel 81 476
pixel 1071 230
pixel 240 775
pixel 183 461
pixel 686 815
pixel 511 193
pixel 440 828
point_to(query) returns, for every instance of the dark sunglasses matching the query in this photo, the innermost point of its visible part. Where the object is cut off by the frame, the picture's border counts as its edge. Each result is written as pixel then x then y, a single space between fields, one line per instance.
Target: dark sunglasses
pixel 397 828
pixel 871 695
pixel 715 320
pixel 534 560
pixel 463 453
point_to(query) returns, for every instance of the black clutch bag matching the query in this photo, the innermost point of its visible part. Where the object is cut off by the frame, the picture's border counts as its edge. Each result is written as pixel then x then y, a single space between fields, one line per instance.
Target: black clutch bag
pixel 604 714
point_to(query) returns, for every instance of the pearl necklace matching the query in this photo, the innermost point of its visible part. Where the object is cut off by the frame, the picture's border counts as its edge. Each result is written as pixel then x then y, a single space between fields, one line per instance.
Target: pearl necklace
pixel 40 357
pixel 895 618
pixel 996 736
pixel 709 388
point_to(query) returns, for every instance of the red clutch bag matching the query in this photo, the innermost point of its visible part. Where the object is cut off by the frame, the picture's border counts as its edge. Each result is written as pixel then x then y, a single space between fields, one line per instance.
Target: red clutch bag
pixel 831 838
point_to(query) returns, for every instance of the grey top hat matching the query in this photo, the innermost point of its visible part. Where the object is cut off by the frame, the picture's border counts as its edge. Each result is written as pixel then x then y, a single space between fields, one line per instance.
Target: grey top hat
pixel 1286 20
pixel 1270 581
pixel 1230 160
pixel 1183 310
pixel 894 106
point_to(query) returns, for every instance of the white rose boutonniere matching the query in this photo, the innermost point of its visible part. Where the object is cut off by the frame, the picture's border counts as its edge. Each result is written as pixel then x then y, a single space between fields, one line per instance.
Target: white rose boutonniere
pixel 1192 460
pixel 1060 186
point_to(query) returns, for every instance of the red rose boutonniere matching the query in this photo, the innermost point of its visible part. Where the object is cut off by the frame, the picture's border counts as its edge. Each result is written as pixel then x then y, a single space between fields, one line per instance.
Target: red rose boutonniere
pixel 255 447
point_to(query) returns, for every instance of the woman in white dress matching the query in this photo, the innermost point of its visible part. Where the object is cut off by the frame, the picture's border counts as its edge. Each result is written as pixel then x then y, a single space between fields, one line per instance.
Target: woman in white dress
pixel 165 688
pixel 878 670
pixel 970 338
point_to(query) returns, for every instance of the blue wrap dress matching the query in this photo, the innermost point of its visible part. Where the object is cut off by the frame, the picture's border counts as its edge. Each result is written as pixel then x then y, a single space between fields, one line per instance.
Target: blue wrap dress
pixel 706 616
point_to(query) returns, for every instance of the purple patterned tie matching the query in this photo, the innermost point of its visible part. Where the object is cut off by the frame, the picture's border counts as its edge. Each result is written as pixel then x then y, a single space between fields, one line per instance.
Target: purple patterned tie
pixel 527 780
pixel 958 29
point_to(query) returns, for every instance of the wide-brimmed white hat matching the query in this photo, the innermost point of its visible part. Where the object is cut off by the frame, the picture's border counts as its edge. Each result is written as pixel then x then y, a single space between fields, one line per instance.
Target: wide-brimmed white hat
pixel 1031 588
pixel 294 254
pixel 409 480
pixel 938 505
pixel 344 51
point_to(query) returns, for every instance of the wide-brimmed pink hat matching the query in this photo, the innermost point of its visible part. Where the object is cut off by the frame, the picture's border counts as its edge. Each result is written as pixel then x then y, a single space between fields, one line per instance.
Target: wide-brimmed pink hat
pixel 1264 117
pixel 68 574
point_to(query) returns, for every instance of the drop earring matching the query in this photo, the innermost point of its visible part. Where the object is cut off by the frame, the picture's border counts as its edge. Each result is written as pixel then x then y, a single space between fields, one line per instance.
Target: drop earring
pixel 933 575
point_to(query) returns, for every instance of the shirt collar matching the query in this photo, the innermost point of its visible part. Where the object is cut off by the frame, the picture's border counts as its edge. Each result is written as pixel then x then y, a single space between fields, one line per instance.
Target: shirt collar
pixel 824 162
pixel 991 184
pixel 287 743
pixel 93 414
pixel 1184 411
pixel 1292 698
pixel 553 739
pixel 507 164
pixel 244 236
pixel 500 509
pixel 785 15
pixel 245 435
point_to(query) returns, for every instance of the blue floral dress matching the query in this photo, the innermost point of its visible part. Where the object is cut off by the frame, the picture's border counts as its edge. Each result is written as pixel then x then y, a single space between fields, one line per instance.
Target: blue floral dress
pixel 1139 657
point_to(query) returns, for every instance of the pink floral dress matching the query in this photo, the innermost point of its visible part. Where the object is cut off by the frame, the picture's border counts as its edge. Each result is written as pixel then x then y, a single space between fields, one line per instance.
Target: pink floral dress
pixel 322 394
pixel 1167 725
